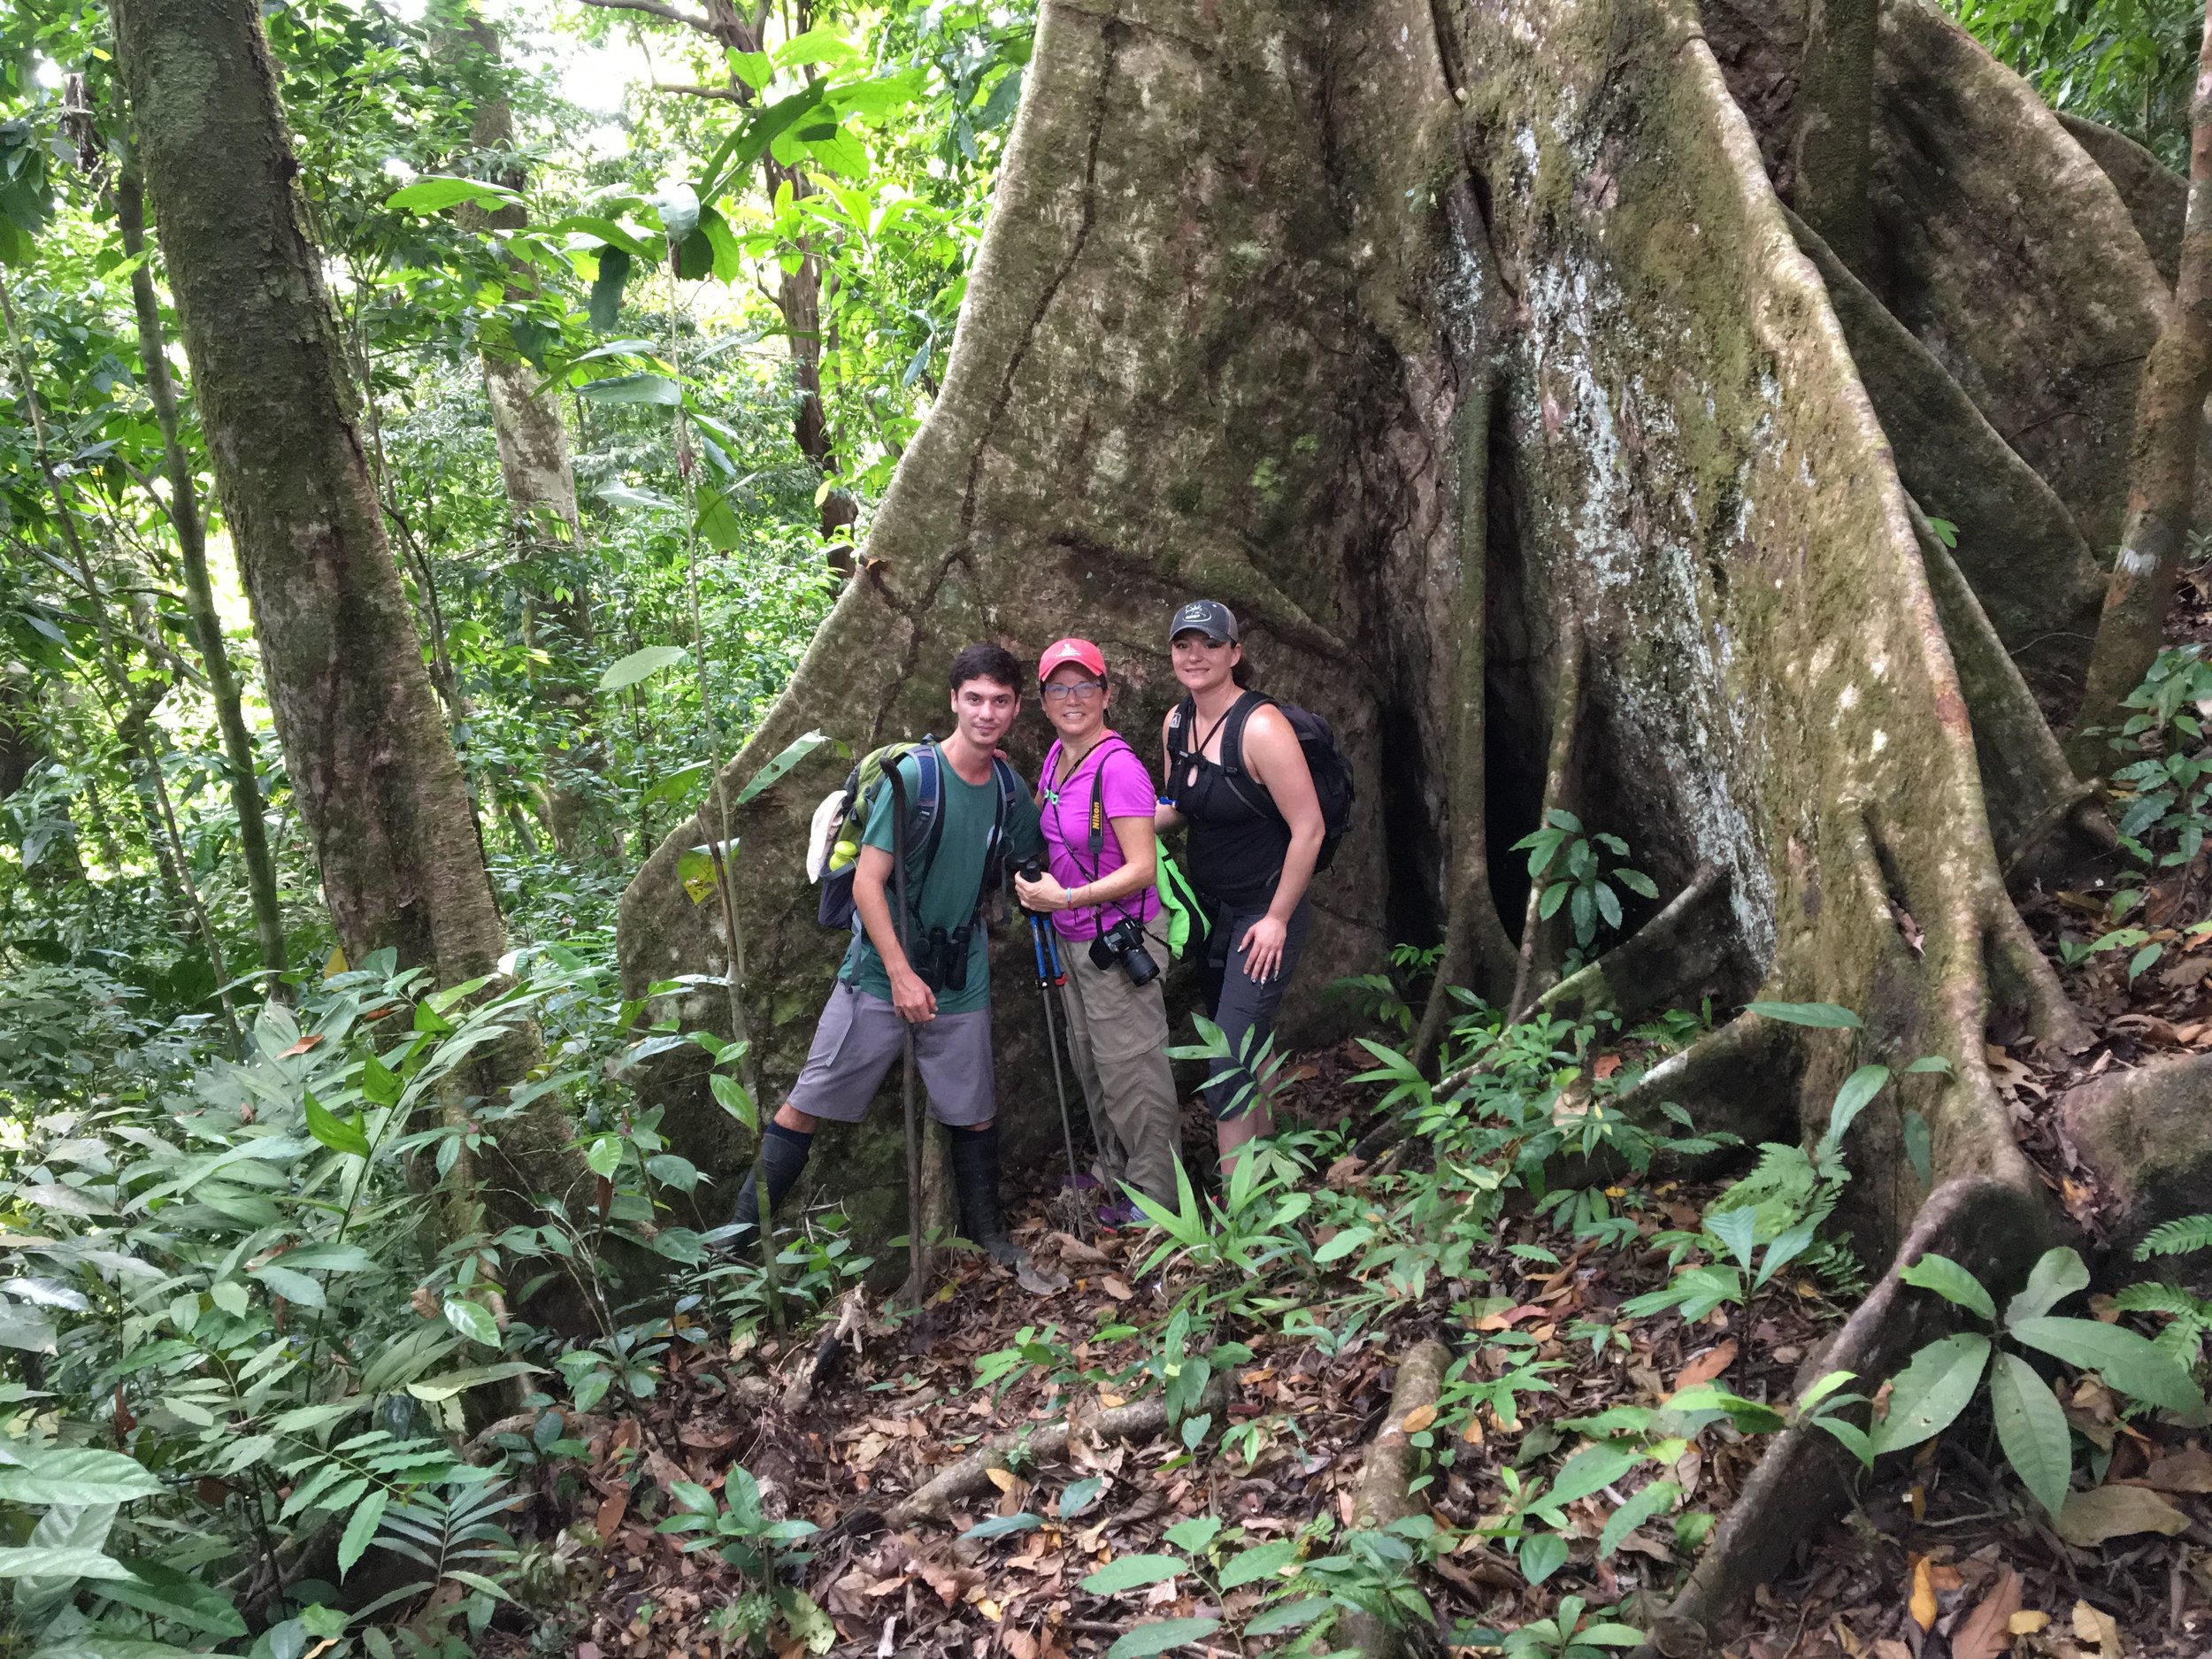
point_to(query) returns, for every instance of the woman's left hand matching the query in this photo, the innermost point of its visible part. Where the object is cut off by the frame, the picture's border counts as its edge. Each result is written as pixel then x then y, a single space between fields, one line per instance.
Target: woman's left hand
pixel 1044 895
pixel 1263 946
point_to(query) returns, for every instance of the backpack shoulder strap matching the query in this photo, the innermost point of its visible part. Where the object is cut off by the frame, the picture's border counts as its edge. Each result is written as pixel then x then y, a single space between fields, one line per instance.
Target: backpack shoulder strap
pixel 927 819
pixel 1233 730
pixel 1179 725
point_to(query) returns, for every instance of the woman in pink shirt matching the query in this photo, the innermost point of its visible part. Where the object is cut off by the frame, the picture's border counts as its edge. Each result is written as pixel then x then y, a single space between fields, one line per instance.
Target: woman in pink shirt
pixel 1096 805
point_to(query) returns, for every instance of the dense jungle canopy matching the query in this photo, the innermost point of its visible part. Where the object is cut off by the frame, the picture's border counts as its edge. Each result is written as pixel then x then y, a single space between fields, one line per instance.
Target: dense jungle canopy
pixel 474 477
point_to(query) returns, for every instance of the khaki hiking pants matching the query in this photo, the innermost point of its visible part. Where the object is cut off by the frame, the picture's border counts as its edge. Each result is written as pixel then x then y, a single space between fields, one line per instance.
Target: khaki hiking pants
pixel 1117 1034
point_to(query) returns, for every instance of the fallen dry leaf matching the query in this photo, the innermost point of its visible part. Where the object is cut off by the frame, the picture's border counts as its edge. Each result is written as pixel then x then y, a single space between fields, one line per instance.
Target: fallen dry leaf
pixel 2189 1470
pixel 1923 1604
pixel 2027 1623
pixel 2091 1626
pixel 1987 1630
pixel 611 1513
pixel 1706 1366
pixel 1417 1419
pixel 2090 1518
pixel 1115 1287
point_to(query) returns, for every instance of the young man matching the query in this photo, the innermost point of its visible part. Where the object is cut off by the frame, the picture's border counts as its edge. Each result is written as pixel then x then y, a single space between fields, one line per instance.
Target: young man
pixel 933 975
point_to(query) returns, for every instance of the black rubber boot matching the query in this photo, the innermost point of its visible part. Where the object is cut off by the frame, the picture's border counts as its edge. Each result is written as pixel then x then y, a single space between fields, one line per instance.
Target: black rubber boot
pixel 975 1181
pixel 783 1154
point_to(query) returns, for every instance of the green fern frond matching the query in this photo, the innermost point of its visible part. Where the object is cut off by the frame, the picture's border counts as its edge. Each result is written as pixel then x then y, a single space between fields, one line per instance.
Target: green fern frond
pixel 2177 1237
pixel 2153 1297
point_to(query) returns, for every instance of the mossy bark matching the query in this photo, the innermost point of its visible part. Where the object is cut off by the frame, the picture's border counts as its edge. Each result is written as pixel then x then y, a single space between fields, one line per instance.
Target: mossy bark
pixel 370 763
pixel 2161 462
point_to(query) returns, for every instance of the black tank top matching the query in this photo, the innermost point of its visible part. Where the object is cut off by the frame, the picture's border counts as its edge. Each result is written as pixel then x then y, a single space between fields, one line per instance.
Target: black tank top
pixel 1238 840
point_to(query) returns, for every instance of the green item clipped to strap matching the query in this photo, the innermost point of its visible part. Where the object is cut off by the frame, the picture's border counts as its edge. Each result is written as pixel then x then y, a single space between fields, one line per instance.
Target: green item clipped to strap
pixel 1178 902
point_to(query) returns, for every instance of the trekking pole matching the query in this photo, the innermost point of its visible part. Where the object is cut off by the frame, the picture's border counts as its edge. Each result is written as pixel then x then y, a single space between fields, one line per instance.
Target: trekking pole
pixel 917 1268
pixel 1050 974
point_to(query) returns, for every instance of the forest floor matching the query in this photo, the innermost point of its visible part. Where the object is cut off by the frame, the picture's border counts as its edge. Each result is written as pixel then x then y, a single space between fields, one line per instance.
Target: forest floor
pixel 1973 1549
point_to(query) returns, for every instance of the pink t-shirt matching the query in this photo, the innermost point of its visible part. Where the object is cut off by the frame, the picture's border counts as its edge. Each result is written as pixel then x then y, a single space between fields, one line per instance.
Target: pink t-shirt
pixel 1065 815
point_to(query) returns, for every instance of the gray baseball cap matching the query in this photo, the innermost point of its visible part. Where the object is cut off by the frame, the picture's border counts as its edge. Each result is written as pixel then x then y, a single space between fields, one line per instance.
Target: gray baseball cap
pixel 1208 617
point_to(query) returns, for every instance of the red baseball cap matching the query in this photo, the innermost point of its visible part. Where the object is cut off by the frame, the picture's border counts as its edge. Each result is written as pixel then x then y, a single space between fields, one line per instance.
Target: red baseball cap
pixel 1080 652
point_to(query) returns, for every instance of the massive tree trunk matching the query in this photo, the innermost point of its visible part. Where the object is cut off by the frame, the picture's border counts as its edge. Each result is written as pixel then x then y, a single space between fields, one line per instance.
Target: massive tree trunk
pixel 183 510
pixel 1270 292
pixel 371 762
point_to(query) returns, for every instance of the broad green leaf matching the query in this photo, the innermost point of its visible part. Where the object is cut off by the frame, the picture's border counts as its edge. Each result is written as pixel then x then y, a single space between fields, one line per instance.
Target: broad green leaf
pixel 1660 1494
pixel 640 665
pixel 1739 1230
pixel 1542 1554
pixel 1826 1016
pixel 1919 1146
pixel 2058 1275
pixel 34 1562
pixel 333 1132
pixel 1342 1244
pixel 436 1389
pixel 360 1528
pixel 605 229
pixel 171 1594
pixel 1609 1635
pixel 1264 1562
pixel 999 1525
pixel 291 1286
pixel 76 1475
pixel 1858 1089
pixel 436 192
pixel 1194 1535
pixel 1080 1496
pixel 792 753
pixel 2130 1362
pixel 1588 1471
pixel 632 388
pixel 2031 1428
pixel 473 1320
pixel 1131 1572
pixel 1289 1616
pixel 1952 1282
pixel 1161 1636
pixel 603 1156
pixel 1927 1396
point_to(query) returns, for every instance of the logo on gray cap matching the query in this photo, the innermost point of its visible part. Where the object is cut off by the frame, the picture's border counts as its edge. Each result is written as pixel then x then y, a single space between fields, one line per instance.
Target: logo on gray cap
pixel 1208 617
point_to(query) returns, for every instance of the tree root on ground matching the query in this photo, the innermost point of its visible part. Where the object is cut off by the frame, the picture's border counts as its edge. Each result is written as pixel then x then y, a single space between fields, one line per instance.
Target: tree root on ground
pixel 1673 951
pixel 1380 1497
pixel 1991 1228
pixel 1037 1441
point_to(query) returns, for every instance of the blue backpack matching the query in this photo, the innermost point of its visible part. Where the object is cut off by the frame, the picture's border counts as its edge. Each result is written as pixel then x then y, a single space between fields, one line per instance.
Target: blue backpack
pixel 834 851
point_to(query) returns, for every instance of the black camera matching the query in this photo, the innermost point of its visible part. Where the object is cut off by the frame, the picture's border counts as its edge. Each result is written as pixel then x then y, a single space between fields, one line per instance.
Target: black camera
pixel 1124 943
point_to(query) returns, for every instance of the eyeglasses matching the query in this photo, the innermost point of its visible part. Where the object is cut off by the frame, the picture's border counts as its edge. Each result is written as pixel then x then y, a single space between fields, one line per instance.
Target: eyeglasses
pixel 1076 691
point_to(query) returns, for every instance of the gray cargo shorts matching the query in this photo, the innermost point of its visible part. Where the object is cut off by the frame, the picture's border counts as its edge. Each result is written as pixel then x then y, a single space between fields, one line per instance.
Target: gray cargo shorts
pixel 858 1040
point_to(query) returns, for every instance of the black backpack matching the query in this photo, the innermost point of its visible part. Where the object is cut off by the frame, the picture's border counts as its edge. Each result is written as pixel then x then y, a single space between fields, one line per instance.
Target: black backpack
pixel 1332 785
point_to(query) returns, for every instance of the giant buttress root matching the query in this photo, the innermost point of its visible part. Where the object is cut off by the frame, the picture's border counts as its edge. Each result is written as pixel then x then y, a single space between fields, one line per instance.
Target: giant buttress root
pixel 1217 340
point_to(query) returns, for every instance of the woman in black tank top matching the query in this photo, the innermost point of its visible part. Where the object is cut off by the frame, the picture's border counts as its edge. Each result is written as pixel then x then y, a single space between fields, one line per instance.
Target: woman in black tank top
pixel 1236 775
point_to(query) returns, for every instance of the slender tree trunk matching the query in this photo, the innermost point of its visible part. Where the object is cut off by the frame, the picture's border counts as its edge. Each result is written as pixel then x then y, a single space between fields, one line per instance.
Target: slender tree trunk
pixel 372 766
pixel 799 300
pixel 540 479
pixel 183 509
pixel 2161 464
pixel 1831 152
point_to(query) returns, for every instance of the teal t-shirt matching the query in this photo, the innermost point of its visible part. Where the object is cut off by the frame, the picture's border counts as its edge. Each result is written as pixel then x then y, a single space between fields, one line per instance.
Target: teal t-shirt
pixel 946 899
